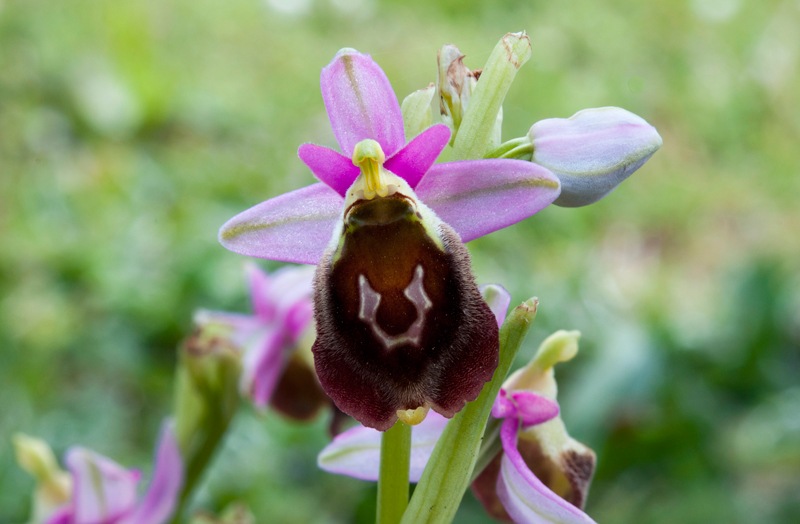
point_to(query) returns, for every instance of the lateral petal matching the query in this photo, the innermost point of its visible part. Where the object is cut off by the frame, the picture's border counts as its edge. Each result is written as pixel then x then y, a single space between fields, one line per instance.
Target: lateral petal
pixel 361 103
pixel 329 166
pixel 293 227
pixel 477 197
pixel 525 406
pixel 416 158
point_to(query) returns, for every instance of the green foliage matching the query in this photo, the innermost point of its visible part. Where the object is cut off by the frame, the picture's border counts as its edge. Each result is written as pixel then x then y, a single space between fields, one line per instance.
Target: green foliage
pixel 130 130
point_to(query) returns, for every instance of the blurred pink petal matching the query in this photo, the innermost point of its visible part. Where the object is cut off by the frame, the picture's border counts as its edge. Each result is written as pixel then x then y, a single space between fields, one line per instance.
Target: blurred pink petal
pixel 103 491
pixel 282 312
pixel 262 365
pixel 161 498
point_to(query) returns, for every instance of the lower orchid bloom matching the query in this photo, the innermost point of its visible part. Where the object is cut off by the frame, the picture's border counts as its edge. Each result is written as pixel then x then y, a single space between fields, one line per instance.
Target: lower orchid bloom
pixel 543 474
pixel 276 360
pixel 100 491
pixel 401 326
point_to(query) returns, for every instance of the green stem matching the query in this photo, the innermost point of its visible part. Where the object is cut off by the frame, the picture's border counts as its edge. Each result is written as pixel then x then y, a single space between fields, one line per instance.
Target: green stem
pixel 393 480
pixel 200 459
pixel 505 149
pixel 206 399
pixel 521 152
pixel 490 447
pixel 449 470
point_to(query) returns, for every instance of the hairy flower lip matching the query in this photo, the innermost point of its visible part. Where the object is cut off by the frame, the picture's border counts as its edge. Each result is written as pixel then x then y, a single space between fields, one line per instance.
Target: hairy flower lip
pixel 375 366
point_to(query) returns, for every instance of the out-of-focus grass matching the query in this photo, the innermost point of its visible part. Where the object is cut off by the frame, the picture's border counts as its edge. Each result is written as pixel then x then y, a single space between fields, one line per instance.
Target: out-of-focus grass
pixel 130 130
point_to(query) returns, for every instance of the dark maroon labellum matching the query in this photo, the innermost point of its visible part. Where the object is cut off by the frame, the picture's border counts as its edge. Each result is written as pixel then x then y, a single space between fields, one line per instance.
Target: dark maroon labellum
pixel 400 321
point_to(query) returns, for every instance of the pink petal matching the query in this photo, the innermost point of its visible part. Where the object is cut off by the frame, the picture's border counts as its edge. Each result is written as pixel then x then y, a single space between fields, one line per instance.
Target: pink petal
pixel 524 496
pixel 498 299
pixel 524 406
pixel 357 452
pixel 161 498
pixel 424 437
pixel 62 515
pixel 593 151
pixel 263 362
pixel 416 158
pixel 361 103
pixel 291 287
pixel 103 491
pixel 259 284
pixel 477 197
pixel 297 319
pixel 331 167
pixel 284 296
pixel 293 227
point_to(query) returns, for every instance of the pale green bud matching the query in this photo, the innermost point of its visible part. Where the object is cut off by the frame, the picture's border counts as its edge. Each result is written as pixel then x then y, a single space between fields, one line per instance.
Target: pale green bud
pixel 418 111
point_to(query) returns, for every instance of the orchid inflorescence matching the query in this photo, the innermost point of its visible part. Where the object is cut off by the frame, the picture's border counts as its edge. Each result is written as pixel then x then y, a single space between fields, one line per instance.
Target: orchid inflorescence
pixel 391 328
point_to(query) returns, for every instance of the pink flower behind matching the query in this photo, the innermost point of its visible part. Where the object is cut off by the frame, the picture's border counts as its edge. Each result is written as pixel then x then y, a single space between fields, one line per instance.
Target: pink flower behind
pixel 103 492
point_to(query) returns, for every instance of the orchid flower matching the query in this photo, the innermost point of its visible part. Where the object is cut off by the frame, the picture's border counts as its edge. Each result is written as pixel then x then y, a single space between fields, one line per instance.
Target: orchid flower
pixel 401 327
pixel 276 368
pixel 100 491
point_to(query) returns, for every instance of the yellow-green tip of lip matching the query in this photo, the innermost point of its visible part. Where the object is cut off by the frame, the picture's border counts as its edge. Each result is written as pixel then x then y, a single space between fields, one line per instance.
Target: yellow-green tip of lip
pixel 412 417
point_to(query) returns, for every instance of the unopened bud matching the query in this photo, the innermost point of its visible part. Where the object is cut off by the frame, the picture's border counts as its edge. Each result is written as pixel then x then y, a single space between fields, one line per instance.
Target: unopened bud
pixel 417 111
pixel 593 151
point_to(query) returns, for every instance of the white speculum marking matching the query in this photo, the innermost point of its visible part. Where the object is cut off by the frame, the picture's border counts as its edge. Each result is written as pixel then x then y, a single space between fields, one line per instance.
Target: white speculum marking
pixel 371 299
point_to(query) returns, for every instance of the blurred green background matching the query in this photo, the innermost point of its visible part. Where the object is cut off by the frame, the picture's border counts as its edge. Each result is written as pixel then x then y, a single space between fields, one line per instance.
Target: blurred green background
pixel 130 130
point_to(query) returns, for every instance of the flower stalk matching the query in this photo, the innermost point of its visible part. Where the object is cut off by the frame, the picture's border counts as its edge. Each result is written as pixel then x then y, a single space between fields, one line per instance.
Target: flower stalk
pixel 393 481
